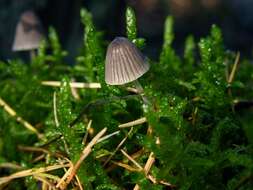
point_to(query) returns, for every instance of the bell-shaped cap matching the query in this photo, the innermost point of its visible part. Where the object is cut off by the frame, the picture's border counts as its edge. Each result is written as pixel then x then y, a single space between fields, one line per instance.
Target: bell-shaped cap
pixel 28 32
pixel 124 62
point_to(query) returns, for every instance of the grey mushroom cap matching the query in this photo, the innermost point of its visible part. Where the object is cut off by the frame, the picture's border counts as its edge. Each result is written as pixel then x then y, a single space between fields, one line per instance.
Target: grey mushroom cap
pixel 124 62
pixel 28 32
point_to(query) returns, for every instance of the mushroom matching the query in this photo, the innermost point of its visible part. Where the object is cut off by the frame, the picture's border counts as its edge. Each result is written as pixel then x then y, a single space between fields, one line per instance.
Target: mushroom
pixel 28 33
pixel 124 63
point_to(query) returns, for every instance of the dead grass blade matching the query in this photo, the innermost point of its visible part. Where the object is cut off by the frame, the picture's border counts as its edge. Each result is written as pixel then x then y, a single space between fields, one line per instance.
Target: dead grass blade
pixel 68 176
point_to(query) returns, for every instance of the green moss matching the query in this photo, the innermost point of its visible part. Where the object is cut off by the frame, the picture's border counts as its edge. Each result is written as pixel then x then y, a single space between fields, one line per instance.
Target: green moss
pixel 203 123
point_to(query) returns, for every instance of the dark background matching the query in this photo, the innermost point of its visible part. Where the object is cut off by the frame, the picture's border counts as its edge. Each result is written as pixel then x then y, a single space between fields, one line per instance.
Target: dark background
pixel 235 17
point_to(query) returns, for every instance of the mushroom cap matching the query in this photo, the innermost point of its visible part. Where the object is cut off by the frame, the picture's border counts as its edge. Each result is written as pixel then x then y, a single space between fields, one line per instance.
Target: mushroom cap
pixel 28 32
pixel 124 62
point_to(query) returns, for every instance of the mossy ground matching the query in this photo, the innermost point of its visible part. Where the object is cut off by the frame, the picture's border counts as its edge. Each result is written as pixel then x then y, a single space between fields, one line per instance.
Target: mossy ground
pixel 198 123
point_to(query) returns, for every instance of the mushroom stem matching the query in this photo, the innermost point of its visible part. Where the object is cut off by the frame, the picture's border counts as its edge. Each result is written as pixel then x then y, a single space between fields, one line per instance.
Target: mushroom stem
pixel 138 86
pixel 140 91
pixel 32 54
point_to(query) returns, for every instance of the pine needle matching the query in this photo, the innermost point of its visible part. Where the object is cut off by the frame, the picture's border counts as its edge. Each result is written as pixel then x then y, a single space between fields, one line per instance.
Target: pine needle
pixel 72 171
pixel 232 74
pixel 131 159
pixel 25 123
pixel 72 84
pixel 31 172
pixel 118 147
pixel 133 123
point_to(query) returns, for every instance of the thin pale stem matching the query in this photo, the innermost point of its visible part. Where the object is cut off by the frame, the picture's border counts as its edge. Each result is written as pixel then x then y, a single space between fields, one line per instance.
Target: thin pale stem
pixel 232 74
pixel 55 111
pixel 31 172
pixel 72 84
pixel 32 54
pixel 86 151
pixel 133 123
pixel 118 147
pixel 131 159
pixel 19 119
pixel 140 91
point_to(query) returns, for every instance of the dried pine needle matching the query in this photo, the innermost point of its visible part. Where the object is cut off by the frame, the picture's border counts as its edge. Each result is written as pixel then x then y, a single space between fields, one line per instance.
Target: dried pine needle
pixel 72 84
pixel 133 123
pixel 19 119
pixel 68 176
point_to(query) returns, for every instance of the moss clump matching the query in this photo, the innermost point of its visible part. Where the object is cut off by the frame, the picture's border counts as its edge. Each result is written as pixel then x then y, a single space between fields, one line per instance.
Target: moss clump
pixel 199 117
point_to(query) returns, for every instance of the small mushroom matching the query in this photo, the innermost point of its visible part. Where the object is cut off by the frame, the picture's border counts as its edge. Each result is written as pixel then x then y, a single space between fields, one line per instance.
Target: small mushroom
pixel 124 64
pixel 28 33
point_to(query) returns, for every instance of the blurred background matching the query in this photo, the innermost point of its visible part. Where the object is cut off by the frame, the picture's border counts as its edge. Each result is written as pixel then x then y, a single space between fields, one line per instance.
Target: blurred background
pixel 195 17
